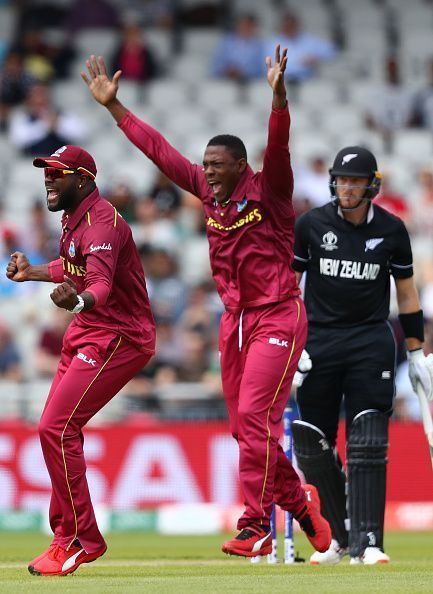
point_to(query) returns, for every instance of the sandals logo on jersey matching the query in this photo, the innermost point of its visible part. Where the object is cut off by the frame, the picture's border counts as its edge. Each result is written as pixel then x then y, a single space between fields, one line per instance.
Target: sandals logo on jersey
pixel 329 241
pixel 71 250
pixel 96 248
pixel 371 244
pixel 254 216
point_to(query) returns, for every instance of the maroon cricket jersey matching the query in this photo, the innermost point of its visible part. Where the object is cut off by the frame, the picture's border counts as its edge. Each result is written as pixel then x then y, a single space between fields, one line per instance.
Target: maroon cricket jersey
pixel 251 238
pixel 98 253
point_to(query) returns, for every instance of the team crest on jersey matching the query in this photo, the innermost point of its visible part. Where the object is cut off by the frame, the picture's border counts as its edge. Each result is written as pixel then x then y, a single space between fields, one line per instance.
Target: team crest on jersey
pixel 71 250
pixel 329 241
pixel 241 204
pixel 371 244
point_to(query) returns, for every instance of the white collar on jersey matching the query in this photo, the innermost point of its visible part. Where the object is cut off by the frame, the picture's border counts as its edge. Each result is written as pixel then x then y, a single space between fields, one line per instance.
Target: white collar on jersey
pixel 370 213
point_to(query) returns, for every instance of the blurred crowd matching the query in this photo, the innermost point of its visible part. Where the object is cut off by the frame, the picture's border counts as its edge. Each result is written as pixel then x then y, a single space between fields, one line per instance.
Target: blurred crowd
pixel 167 224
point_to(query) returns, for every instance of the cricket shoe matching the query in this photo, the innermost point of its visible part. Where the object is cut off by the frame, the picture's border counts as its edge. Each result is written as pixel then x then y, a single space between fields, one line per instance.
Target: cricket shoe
pixel 374 556
pixel 311 521
pixel 332 556
pixel 59 561
pixel 251 541
pixel 42 555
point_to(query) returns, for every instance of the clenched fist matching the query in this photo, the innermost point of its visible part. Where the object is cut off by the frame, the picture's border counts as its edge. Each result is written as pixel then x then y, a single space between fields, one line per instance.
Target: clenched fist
pixel 65 295
pixel 18 268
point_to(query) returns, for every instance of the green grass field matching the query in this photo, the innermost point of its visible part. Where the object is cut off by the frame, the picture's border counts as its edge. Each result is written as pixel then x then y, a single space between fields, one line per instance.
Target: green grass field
pixel 163 564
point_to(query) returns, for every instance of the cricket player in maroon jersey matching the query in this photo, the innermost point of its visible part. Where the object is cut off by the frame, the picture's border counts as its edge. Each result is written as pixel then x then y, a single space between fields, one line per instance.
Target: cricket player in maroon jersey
pixel 111 338
pixel 250 227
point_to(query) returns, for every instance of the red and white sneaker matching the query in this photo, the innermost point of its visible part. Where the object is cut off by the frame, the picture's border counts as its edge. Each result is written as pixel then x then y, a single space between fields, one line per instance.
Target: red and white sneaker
pixel 59 561
pixel 42 555
pixel 311 521
pixel 251 541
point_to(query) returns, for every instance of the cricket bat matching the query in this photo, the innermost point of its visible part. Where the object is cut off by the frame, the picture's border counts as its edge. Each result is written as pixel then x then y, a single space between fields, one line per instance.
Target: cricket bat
pixel 426 417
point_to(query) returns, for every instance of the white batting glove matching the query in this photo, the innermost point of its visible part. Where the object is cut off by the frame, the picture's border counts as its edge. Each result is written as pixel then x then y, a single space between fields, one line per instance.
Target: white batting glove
pixel 304 366
pixel 421 371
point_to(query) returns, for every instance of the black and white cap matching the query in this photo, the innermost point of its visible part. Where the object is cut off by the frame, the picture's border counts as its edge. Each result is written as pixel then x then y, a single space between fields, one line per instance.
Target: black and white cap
pixel 354 161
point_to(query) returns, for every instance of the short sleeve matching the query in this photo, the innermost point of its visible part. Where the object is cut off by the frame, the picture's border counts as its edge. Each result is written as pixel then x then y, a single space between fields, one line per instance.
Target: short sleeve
pixel 401 265
pixel 302 243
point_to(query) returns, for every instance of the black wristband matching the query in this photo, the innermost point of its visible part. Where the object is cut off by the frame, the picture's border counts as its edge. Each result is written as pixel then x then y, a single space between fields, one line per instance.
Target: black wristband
pixel 413 324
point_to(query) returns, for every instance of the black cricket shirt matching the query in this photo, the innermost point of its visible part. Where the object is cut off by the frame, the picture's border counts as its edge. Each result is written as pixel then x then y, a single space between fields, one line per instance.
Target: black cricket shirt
pixel 348 267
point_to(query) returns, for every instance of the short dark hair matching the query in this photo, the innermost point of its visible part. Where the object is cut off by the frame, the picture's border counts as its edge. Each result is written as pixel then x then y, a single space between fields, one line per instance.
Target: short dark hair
pixel 234 145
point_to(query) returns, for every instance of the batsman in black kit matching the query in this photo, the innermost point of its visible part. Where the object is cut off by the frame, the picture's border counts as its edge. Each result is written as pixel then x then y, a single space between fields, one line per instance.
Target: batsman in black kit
pixel 349 248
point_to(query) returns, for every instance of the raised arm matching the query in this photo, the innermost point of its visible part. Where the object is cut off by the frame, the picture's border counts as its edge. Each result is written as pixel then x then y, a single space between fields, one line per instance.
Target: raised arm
pixel 277 170
pixel 104 90
pixel 275 76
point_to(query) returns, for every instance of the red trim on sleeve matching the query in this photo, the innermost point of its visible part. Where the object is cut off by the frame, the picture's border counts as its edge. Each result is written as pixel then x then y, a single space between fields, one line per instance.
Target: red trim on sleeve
pixel 100 292
pixel 56 271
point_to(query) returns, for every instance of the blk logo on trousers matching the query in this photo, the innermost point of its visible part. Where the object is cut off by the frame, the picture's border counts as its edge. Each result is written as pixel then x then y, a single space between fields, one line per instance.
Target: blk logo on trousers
pixel 88 360
pixel 279 342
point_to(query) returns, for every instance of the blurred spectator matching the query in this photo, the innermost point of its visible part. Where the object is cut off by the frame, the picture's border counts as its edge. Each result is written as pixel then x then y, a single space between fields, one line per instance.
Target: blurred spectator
pixel 149 13
pixel 200 314
pixel 35 54
pixel 45 61
pixel 166 196
pixel 239 54
pixel 406 403
pixel 154 230
pixel 97 14
pixel 40 239
pixel 390 105
pixel 40 127
pixel 162 369
pixel 9 243
pixel 122 198
pixel 133 57
pixel 312 183
pixel 10 360
pixel 202 13
pixel 422 201
pixel 37 14
pixel 305 51
pixel 423 102
pixel 168 344
pixel 15 83
pixel 194 361
pixel 392 201
pixel 50 343
pixel 167 291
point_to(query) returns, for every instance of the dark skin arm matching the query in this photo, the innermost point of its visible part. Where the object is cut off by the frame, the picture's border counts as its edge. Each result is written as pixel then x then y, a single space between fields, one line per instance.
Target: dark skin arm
pixel 64 295
pixel 103 89
pixel 275 76
pixel 20 270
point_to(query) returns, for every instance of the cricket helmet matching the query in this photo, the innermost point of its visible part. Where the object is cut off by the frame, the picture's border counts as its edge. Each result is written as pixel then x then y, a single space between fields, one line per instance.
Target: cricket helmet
pixel 356 161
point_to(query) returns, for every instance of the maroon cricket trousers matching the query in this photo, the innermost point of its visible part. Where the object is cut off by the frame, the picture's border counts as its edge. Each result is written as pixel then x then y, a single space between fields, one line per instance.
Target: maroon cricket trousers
pixel 94 365
pixel 260 348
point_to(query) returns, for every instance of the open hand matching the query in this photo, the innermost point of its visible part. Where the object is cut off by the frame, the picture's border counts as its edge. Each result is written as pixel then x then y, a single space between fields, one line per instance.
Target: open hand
pixel 275 74
pixel 65 295
pixel 102 88
pixel 18 267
